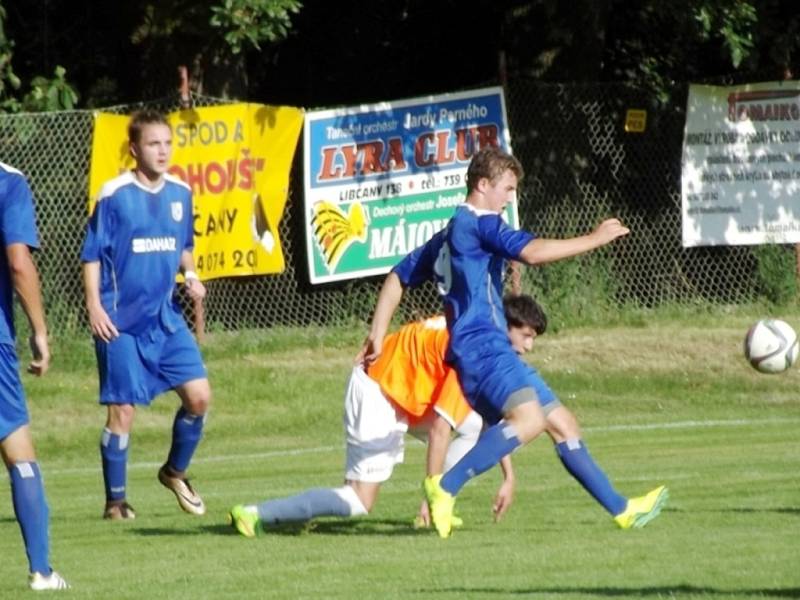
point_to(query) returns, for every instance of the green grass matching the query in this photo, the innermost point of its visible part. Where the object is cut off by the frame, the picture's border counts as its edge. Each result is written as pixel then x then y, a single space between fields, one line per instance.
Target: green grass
pixel 662 400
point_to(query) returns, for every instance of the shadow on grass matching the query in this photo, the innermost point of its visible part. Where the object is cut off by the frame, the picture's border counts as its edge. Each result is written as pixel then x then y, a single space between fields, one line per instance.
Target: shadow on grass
pixel 783 511
pixel 388 527
pixel 614 592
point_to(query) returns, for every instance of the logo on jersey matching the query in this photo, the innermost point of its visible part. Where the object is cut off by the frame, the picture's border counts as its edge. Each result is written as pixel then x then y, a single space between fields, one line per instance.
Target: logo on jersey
pixel 155 244
pixel 443 270
pixel 177 211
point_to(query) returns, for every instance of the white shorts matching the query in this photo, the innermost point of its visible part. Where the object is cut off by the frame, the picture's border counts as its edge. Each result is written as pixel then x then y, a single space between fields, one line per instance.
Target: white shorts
pixel 374 431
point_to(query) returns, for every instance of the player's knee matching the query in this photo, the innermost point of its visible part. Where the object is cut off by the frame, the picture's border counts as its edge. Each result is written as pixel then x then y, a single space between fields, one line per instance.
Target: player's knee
pixel 562 424
pixel 120 417
pixel 471 427
pixel 356 504
pixel 528 420
pixel 198 401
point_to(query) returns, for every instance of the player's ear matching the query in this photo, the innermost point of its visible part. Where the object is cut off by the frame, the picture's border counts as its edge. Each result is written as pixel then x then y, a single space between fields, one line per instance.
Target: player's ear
pixel 132 149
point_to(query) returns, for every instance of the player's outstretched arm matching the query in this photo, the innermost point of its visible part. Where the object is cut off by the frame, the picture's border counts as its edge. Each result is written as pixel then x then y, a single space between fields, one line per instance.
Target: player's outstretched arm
pixel 26 283
pixel 388 299
pixel 99 321
pixel 544 250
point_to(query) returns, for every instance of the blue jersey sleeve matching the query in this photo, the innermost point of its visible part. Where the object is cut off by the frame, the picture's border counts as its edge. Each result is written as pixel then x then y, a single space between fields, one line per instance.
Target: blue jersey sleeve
pixel 500 239
pixel 418 266
pixel 17 219
pixel 95 230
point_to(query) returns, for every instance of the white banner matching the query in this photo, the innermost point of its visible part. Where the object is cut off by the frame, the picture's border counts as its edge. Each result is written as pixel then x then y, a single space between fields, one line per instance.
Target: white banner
pixel 741 165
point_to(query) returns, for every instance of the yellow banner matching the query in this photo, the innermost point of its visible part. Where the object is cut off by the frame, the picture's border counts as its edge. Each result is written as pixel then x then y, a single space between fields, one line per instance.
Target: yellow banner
pixel 237 159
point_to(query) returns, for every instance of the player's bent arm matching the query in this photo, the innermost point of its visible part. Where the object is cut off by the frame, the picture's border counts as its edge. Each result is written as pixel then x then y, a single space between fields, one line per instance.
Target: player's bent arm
pixel 195 287
pixel 544 250
pixel 388 299
pixel 99 321
pixel 27 286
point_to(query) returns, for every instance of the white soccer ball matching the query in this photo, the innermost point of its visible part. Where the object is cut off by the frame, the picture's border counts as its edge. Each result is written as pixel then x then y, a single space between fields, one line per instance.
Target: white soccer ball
pixel 771 346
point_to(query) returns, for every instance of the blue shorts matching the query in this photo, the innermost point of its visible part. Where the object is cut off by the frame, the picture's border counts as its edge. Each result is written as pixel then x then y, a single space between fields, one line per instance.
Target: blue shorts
pixel 136 369
pixel 13 411
pixel 490 378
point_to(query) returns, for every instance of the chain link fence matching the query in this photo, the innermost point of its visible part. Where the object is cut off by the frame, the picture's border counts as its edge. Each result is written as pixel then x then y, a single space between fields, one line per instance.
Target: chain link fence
pixel 581 166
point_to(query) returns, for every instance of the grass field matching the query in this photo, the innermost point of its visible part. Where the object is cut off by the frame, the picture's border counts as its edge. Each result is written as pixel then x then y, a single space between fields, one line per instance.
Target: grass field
pixel 662 400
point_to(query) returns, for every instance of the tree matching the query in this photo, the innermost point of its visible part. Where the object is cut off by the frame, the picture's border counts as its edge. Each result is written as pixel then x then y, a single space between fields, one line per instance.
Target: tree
pixel 45 94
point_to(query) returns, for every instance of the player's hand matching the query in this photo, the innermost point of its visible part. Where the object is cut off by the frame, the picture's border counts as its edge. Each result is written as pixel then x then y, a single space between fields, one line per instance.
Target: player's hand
pixel 503 499
pixel 101 324
pixel 196 289
pixel 609 230
pixel 370 351
pixel 41 355
pixel 423 518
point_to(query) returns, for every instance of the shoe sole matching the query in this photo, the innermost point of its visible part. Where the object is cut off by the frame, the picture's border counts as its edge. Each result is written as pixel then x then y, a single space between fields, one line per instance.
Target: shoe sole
pixel 643 519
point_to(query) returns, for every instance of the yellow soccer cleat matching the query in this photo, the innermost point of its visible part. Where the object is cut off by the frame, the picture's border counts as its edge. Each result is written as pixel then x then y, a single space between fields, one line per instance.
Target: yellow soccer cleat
pixel 419 522
pixel 643 509
pixel 245 520
pixel 441 504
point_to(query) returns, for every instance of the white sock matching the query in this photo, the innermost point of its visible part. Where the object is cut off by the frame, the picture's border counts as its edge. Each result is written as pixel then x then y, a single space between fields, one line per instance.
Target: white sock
pixel 318 502
pixel 467 435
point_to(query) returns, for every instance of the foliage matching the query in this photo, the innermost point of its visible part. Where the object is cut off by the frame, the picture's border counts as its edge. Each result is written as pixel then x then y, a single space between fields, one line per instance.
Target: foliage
pixel 45 94
pixel 9 82
pixel 733 21
pixel 50 94
pixel 247 23
pixel 250 45
pixel 776 267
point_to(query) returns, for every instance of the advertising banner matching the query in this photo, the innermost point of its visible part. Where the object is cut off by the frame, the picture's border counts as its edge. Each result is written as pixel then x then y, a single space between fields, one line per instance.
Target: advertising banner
pixel 741 165
pixel 237 159
pixel 381 179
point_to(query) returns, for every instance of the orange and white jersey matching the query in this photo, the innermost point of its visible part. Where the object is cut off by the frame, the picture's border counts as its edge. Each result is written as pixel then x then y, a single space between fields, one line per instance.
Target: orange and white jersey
pixel 412 373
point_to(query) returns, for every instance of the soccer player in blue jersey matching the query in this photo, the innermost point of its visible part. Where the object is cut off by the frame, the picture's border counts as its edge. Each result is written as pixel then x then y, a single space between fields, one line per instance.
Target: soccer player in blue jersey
pixel 18 273
pixel 466 260
pixel 138 238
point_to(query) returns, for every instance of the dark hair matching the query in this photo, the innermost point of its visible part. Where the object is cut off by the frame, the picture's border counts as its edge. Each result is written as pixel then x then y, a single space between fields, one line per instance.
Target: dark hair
pixel 491 162
pixel 140 118
pixel 523 310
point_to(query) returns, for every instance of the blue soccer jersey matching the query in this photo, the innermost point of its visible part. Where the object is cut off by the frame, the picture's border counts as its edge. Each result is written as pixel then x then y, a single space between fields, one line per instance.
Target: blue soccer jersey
pixel 138 235
pixel 17 226
pixel 467 261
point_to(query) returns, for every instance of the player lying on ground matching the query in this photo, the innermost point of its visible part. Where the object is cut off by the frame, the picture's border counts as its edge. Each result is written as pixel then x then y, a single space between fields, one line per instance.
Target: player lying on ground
pixel 408 389
pixel 466 261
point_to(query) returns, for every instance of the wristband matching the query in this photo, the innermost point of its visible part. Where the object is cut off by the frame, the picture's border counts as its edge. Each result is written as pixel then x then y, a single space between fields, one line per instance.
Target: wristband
pixel 187 275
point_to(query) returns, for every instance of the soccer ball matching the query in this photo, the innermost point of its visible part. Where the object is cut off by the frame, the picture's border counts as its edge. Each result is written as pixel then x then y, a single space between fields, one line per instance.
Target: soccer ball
pixel 771 346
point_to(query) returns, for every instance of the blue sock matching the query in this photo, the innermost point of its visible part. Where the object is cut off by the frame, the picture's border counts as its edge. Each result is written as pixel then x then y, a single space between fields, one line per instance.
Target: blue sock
pixel 494 444
pixel 30 506
pixel 581 465
pixel 187 429
pixel 114 452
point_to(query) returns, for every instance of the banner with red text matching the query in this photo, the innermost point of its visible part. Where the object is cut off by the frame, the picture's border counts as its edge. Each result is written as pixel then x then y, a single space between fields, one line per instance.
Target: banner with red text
pixel 381 179
pixel 741 164
pixel 237 159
